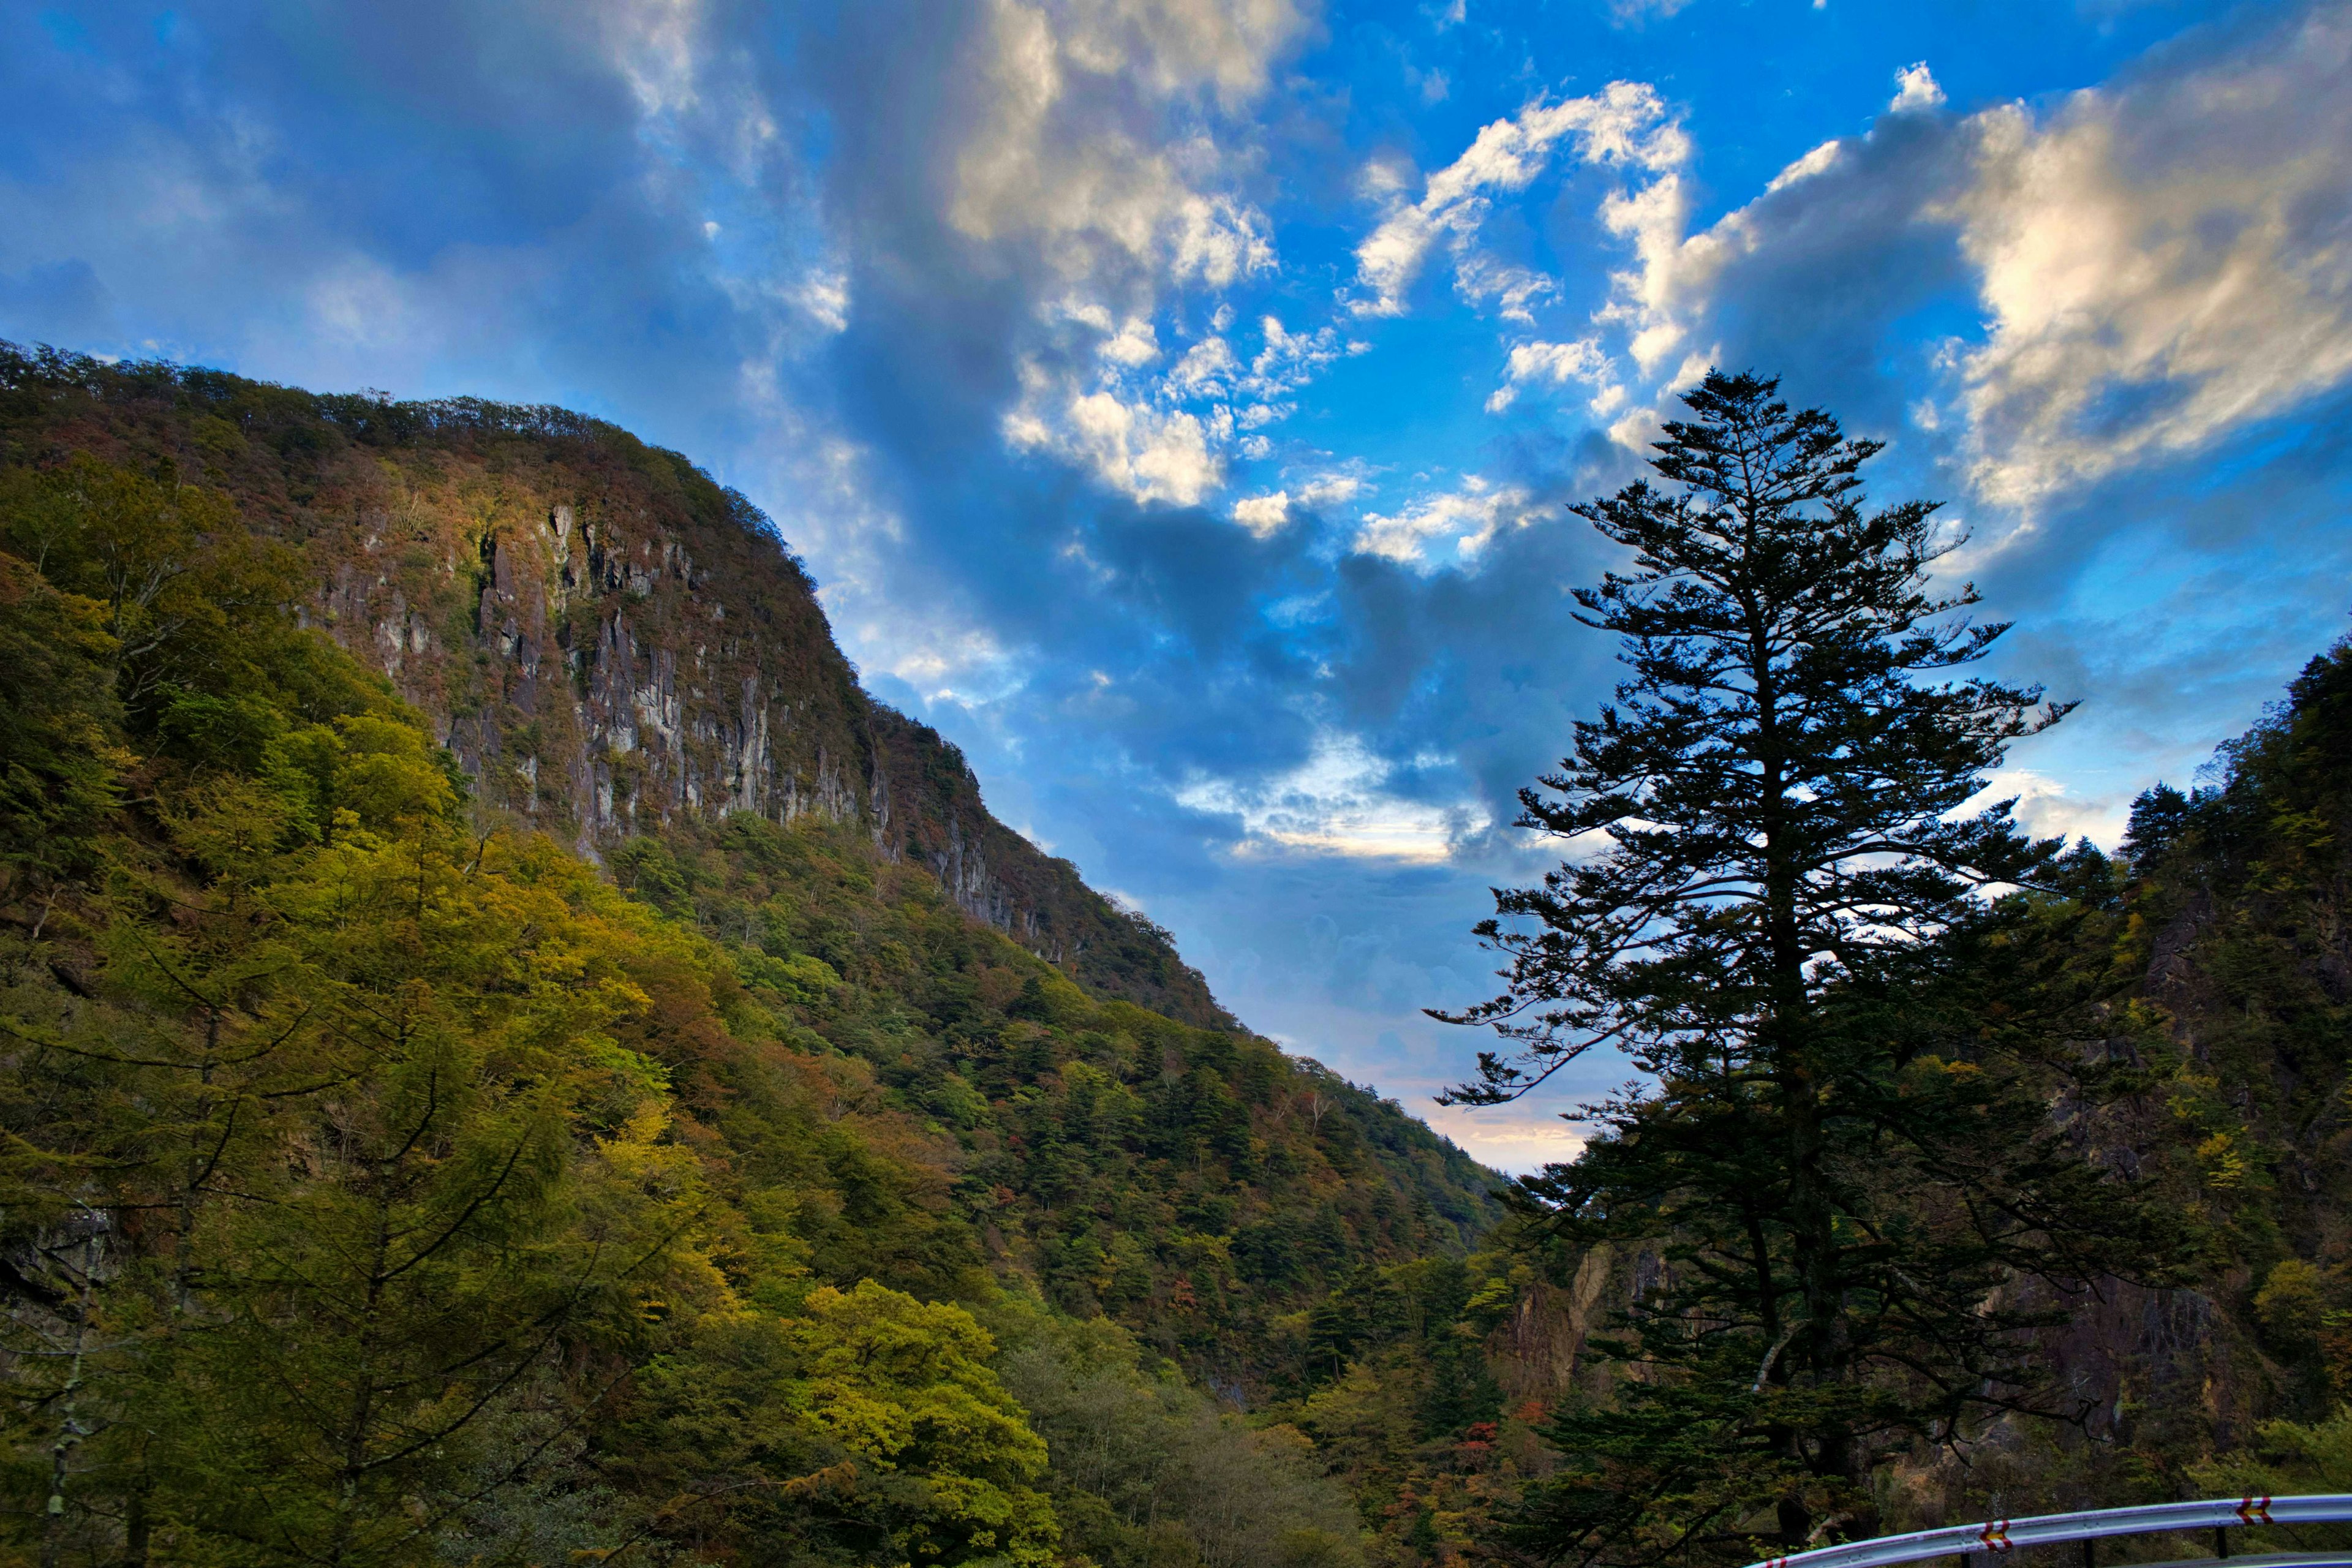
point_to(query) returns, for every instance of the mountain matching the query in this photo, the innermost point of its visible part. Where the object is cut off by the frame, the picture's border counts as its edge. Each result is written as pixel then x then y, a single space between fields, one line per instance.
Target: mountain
pixel 506 1054
pixel 608 641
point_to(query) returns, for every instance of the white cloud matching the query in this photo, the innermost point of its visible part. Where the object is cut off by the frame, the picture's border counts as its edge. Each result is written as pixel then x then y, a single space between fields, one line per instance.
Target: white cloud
pixel 1141 440
pixel 1555 363
pixel 1206 369
pixel 1084 185
pixel 1268 515
pixel 1464 521
pixel 1178 46
pixel 1335 804
pixel 1625 124
pixel 1146 453
pixel 825 296
pixel 1384 178
pixel 2048 809
pixel 1094 145
pixel 1479 278
pixel 1219 239
pixel 1915 88
pixel 653 44
pixel 1331 489
pixel 1263 515
pixel 1289 360
pixel 2161 264
pixel 1135 344
pixel 1151 455
pixel 1513 1138
pixel 946 663
pixel 1653 218
pixel 1806 167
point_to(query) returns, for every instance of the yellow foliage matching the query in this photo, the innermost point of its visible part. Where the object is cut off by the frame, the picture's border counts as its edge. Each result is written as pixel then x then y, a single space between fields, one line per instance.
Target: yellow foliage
pixel 907 1385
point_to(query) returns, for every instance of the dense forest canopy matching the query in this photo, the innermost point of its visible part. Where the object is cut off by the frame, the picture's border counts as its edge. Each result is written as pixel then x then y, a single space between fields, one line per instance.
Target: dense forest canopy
pixel 507 1056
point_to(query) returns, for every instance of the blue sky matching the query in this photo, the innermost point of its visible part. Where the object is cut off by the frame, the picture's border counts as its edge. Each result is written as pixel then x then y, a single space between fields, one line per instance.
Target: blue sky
pixel 1179 399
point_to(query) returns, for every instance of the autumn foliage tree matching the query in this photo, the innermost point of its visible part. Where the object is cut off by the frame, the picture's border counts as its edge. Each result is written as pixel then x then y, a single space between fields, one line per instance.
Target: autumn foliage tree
pixel 343 1194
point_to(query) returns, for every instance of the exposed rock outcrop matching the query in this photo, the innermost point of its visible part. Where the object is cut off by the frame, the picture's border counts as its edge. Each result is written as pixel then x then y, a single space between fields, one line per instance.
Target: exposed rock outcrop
pixel 607 640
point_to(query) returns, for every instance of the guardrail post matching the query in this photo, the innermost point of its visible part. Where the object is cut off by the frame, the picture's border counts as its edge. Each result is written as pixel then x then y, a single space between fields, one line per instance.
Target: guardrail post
pixel 2220 1541
pixel 2090 1551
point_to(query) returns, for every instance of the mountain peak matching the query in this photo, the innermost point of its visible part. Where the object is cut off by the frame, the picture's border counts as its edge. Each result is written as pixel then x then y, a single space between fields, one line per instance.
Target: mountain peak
pixel 608 640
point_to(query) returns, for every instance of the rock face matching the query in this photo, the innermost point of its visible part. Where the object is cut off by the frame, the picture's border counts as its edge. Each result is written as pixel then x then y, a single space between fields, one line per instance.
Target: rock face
pixel 609 642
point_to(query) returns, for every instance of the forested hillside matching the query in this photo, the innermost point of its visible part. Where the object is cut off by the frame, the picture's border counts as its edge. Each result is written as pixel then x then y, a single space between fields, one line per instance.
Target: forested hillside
pixel 2227 917
pixel 2239 897
pixel 608 642
pixel 388 1183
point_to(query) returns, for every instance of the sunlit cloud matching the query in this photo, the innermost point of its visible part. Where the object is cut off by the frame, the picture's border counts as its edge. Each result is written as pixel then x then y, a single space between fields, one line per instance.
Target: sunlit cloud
pixel 1517 1140
pixel 1336 803
pixel 1915 88
pixel 1449 526
pixel 1540 364
pixel 1625 124
pixel 2147 292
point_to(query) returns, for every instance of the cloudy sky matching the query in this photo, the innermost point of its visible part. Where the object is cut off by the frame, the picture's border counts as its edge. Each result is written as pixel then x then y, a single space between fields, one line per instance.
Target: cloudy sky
pixel 1179 399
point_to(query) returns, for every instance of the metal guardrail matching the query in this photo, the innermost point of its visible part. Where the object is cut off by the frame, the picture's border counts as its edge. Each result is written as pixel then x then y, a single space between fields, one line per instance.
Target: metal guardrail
pixel 2051 1529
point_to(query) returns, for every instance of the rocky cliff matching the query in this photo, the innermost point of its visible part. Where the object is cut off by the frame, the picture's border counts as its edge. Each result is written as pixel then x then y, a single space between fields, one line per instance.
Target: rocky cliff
pixel 609 641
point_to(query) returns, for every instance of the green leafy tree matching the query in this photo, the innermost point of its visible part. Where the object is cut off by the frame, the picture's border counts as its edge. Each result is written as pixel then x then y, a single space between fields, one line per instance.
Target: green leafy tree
pixel 473 1183
pixel 1778 907
pixel 321 1151
pixel 868 1427
pixel 58 759
pixel 192 598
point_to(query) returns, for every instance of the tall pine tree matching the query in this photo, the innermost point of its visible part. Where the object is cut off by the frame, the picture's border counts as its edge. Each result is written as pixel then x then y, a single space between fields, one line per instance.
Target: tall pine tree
pixel 1844 1160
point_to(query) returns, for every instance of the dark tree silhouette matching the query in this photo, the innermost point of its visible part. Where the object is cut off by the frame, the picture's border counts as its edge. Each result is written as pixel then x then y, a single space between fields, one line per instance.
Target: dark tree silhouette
pixel 1776 904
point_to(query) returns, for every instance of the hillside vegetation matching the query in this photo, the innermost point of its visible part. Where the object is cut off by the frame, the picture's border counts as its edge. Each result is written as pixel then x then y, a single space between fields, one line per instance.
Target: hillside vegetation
pixel 387 1182
pixel 608 642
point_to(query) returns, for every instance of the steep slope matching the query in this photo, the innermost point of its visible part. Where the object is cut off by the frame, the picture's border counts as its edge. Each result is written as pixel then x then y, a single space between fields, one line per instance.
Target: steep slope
pixel 380 1191
pixel 1194 1184
pixel 2241 894
pixel 385 1186
pixel 2230 906
pixel 608 641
